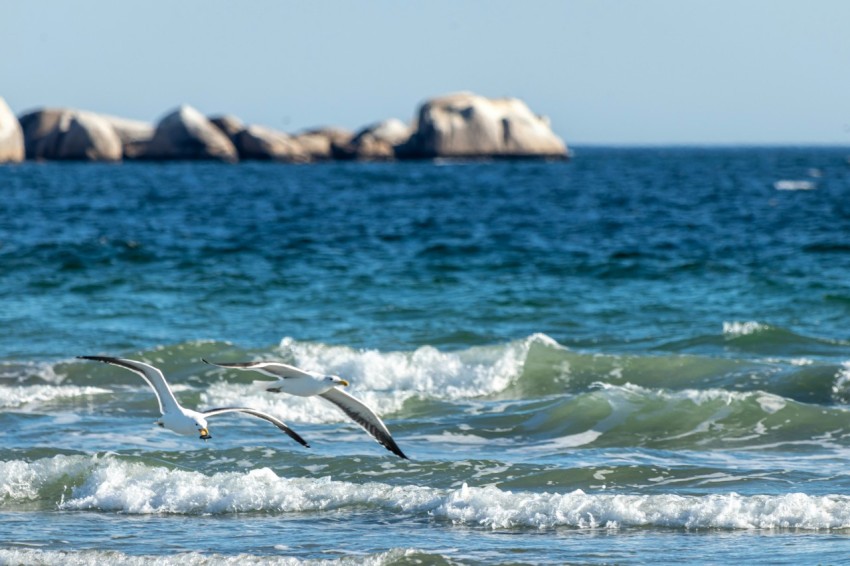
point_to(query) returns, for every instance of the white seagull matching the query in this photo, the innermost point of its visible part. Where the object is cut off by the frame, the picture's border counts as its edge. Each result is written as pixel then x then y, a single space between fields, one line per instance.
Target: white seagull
pixel 303 383
pixel 178 418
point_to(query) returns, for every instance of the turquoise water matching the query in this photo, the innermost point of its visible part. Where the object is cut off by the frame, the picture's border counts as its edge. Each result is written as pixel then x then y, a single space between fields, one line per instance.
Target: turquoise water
pixel 640 355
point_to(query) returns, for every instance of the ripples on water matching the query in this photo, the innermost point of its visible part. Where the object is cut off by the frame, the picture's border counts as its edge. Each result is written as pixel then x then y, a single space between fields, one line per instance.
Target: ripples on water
pixel 617 353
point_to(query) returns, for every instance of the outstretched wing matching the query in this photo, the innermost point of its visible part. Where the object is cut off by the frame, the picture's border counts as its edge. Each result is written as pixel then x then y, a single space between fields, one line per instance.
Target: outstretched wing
pixel 360 413
pixel 273 369
pixel 154 377
pixel 277 422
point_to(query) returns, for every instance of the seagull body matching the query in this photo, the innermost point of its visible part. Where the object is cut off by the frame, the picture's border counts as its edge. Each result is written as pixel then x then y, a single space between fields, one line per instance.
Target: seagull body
pixel 177 418
pixel 296 381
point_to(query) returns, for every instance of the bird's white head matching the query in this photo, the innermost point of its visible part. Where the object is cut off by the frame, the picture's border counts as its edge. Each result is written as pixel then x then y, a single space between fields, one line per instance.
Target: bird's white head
pixel 336 380
pixel 201 427
pixel 186 422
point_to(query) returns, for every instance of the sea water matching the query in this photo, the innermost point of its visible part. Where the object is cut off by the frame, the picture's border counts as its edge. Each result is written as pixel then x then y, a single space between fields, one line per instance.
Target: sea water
pixel 641 355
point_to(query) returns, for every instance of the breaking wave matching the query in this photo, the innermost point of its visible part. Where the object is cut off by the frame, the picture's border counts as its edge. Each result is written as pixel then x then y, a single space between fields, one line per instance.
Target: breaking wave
pixel 114 558
pixel 108 484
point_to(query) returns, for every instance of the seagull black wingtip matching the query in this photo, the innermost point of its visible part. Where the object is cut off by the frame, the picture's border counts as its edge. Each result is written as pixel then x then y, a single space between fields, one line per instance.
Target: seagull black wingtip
pixel 400 454
pixel 104 359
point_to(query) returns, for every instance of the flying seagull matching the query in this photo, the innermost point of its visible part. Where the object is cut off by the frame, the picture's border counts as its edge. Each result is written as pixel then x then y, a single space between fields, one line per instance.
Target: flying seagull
pixel 303 383
pixel 176 417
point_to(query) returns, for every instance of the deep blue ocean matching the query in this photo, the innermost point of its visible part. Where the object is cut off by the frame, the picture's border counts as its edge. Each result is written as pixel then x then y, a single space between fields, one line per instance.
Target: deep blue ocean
pixel 639 355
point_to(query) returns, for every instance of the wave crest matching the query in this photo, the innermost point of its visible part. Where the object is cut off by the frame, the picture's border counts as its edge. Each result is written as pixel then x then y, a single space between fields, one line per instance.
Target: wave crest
pixel 19 395
pixel 115 558
pixel 386 380
pixel 113 485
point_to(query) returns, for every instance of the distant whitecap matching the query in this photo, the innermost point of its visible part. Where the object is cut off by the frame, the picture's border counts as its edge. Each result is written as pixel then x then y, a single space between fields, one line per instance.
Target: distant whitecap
pixel 793 185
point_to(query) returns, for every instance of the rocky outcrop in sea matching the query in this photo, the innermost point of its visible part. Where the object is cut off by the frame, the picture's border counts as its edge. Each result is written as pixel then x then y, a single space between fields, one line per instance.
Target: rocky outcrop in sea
pixel 64 133
pixel 455 126
pixel 466 125
pixel 185 133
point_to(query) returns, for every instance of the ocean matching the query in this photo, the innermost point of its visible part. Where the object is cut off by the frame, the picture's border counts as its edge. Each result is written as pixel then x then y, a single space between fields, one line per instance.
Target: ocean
pixel 637 356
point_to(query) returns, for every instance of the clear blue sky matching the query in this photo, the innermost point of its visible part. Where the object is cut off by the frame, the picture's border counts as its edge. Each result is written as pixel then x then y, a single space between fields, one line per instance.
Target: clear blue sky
pixel 604 71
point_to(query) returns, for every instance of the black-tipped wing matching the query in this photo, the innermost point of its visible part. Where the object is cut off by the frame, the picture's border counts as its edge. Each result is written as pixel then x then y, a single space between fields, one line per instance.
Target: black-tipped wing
pixel 152 375
pixel 273 369
pixel 265 416
pixel 365 417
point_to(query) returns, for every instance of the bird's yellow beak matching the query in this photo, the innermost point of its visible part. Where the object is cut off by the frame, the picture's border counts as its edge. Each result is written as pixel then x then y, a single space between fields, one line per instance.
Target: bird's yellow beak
pixel 205 434
pixel 343 382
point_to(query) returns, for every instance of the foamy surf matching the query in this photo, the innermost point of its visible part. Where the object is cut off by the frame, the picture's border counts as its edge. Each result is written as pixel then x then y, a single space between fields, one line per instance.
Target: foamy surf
pixel 468 373
pixel 27 395
pixel 794 185
pixel 385 380
pixel 108 484
pixel 114 558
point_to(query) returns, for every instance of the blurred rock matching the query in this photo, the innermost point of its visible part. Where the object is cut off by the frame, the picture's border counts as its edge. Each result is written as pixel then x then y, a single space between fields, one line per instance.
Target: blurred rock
pixel 11 136
pixel 135 135
pixel 63 133
pixel 318 143
pixel 376 142
pixel 229 124
pixel 465 125
pixel 259 142
pixel 185 133
pixel 460 125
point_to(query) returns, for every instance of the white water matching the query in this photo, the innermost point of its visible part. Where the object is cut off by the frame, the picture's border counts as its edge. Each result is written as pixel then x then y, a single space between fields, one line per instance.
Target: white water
pixel 108 484
pixel 384 380
pixel 19 395
pixel 112 558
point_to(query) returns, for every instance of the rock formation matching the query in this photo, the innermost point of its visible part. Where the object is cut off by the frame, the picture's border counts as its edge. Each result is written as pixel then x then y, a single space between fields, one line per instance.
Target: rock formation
pixel 465 125
pixel 185 133
pixel 229 124
pixel 135 135
pixel 375 142
pixel 461 125
pixel 258 142
pixel 318 144
pixel 11 136
pixel 63 133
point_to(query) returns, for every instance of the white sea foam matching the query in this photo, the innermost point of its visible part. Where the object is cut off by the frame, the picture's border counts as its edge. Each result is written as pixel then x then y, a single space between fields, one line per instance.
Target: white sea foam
pixel 385 380
pixel 23 481
pixel 118 486
pixel 22 395
pixel 794 185
pixel 446 375
pixel 842 380
pixel 114 558
pixel 19 371
pixel 572 440
pixel 736 328
pixel 770 403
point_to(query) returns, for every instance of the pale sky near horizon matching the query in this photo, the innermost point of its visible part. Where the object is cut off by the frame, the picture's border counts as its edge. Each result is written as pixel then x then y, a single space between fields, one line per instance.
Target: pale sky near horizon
pixel 604 71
